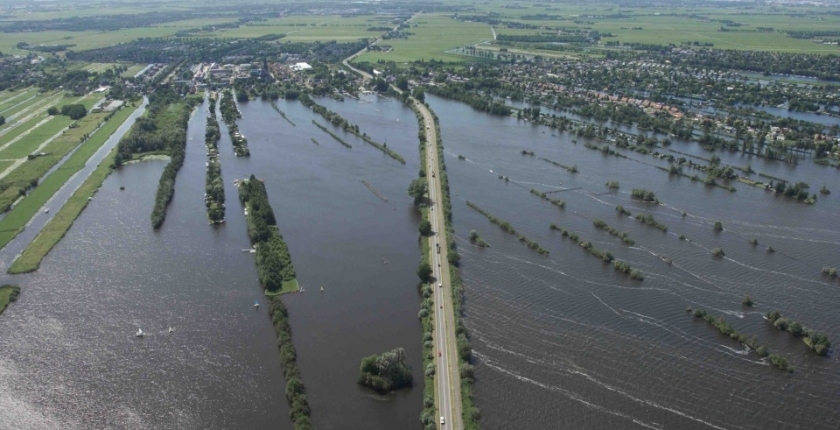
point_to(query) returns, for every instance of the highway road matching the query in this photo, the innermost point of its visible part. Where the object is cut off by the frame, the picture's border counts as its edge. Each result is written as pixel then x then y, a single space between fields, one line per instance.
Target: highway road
pixel 447 376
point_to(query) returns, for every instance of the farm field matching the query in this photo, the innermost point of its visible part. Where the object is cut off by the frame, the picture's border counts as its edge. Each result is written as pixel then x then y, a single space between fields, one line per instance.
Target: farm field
pixel 434 34
pixel 23 211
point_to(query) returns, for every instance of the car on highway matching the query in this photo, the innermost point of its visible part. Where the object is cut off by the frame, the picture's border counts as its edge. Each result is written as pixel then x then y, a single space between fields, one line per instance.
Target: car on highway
pixel 438 353
pixel 440 284
pixel 442 421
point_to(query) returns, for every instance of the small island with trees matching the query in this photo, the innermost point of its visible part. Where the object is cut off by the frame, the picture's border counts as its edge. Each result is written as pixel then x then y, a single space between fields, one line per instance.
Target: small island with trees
pixel 386 372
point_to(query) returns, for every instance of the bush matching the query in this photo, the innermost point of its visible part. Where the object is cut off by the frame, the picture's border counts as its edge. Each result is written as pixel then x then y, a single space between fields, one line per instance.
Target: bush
pixel 425 228
pixel 386 372
pixel 718 252
pixel 747 301
pixel 718 226
pixel 612 184
pixel 424 271
pixel 645 195
pixel 74 111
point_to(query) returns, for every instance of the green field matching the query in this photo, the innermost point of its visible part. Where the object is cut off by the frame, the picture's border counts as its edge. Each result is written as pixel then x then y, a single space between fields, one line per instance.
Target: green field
pixel 56 228
pixel 131 71
pixel 26 137
pixel 433 34
pixel 6 293
pixel 14 221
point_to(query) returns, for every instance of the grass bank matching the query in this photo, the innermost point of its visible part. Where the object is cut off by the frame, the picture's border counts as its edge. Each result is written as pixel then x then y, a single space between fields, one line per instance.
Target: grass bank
pixel 54 231
pixel 8 294
pixel 15 221
pixel 470 413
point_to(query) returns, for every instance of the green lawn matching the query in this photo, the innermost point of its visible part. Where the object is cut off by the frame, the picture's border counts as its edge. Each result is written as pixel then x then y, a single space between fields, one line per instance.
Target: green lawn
pixel 8 294
pixel 288 287
pixel 15 220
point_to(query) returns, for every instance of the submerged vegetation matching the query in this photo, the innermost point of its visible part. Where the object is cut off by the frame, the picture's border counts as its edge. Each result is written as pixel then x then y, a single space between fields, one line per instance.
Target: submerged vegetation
pixel 622 211
pixel 477 240
pixel 619 234
pixel 644 195
pixel 651 221
pixel 386 372
pixel 339 121
pixel 8 294
pixel 556 202
pixel 726 329
pixel 817 341
pixel 504 225
pixel 333 135
pixel 621 266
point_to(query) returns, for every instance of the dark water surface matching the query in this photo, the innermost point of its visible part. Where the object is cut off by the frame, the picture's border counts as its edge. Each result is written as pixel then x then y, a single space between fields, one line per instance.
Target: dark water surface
pixel 564 341
pixel 68 355
pixel 561 341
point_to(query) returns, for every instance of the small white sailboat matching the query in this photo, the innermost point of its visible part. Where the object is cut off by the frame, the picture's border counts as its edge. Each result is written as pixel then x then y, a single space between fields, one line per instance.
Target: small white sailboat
pixel 171 330
pixel 139 333
pixel 322 289
pixel 256 304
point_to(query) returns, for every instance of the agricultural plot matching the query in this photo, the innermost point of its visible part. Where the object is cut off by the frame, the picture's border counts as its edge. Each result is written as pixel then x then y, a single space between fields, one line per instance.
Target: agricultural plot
pixel 432 36
pixel 132 70
pixel 15 220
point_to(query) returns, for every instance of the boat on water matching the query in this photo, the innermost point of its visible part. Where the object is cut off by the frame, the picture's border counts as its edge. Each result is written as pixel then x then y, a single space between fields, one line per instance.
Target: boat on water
pixel 139 333
pixel 171 330
pixel 256 304
pixel 322 289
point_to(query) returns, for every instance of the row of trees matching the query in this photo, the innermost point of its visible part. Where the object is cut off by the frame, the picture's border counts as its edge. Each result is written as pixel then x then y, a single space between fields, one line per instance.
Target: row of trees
pixel 214 189
pixel 163 130
pixel 507 227
pixel 230 113
pixel 815 340
pixel 274 267
pixel 727 330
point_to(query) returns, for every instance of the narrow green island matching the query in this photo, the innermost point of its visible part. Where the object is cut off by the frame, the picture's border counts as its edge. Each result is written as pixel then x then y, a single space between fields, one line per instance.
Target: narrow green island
pixel 8 294
pixel 386 372
pixel 619 234
pixel 726 329
pixel 277 276
pixel 504 225
pixel 230 113
pixel 818 342
pixel 339 121
pixel 648 219
pixel 214 188
pixel 619 265
pixel 162 130
pixel 477 240
pixel 333 135
pixel 556 202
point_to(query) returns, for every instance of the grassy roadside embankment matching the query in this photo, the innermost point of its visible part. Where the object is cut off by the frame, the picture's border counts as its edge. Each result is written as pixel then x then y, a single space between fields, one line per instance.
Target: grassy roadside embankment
pixel 15 221
pixel 8 294
pixel 470 413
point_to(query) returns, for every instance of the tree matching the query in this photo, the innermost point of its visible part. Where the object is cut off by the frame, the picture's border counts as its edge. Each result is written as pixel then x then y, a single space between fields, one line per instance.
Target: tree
pixel 425 228
pixel 417 189
pixel 380 85
pixel 52 111
pixel 2 120
pixel 419 95
pixel 402 83
pixel 424 271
